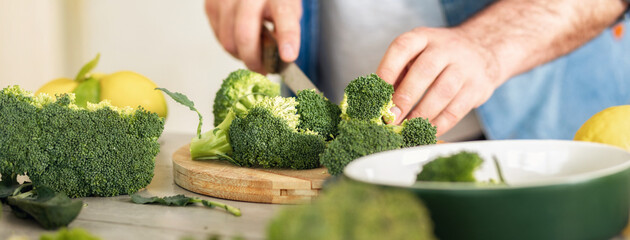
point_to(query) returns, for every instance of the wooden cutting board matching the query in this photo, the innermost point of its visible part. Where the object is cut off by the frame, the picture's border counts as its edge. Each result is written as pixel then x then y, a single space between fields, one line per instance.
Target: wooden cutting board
pixel 223 180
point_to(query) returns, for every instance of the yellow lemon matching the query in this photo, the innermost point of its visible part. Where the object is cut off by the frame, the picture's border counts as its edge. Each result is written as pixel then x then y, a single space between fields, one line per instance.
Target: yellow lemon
pixel 57 86
pixel 126 88
pixel 610 126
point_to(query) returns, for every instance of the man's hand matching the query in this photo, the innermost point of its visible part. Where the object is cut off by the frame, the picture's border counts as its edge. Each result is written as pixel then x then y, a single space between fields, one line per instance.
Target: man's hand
pixel 453 72
pixel 457 69
pixel 237 25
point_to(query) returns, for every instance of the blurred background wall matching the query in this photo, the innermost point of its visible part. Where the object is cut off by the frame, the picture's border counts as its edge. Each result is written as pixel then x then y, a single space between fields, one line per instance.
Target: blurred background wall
pixel 170 42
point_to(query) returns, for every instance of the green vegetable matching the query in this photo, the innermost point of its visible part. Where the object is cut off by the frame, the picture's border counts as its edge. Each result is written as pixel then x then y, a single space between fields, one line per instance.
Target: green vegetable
pixel 356 139
pixel 317 113
pixel 240 91
pixel 181 200
pixel 267 136
pixel 213 144
pixel 100 150
pixel 50 209
pixel 368 98
pixel 89 89
pixel 72 234
pixel 416 132
pixel 350 210
pixel 458 167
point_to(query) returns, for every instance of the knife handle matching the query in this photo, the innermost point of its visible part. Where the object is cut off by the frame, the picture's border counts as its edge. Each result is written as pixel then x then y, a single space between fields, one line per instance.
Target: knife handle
pixel 270 56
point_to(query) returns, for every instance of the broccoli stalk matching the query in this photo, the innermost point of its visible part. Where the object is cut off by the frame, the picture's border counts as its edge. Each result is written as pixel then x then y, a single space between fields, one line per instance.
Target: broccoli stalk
pixel 213 144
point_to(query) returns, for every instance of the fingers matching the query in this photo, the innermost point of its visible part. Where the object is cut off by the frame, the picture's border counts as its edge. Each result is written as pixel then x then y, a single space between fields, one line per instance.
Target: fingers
pixel 419 77
pixel 443 90
pixel 399 53
pixel 286 16
pixel 213 15
pixel 226 26
pixel 455 111
pixel 247 27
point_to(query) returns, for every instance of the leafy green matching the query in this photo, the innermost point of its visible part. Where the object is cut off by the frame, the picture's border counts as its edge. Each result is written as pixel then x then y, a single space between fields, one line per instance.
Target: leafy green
pixel 96 151
pixel 181 200
pixel 72 234
pixel 240 91
pixel 459 167
pixel 351 210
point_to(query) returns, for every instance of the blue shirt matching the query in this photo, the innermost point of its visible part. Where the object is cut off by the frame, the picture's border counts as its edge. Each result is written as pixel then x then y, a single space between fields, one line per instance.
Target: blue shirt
pixel 550 102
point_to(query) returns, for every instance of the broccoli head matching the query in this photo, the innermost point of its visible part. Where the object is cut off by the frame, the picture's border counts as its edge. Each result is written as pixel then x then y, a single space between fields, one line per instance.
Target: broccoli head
pixel 317 113
pixel 99 150
pixel 267 136
pixel 240 91
pixel 351 210
pixel 458 167
pixel 356 139
pixel 416 132
pixel 368 98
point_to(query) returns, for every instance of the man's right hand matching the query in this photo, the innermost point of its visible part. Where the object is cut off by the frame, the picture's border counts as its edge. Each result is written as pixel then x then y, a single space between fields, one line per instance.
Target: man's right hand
pixel 237 25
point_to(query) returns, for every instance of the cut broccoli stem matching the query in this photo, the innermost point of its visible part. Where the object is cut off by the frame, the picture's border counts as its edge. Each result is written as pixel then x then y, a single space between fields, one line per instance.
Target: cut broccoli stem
pixel 212 204
pixel 214 144
pixel 499 171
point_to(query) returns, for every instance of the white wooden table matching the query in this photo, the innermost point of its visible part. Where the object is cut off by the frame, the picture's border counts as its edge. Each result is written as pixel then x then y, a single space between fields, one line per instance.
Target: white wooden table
pixel 118 218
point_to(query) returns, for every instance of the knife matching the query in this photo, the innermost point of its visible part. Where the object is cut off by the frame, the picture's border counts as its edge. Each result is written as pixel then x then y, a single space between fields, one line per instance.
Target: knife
pixel 291 74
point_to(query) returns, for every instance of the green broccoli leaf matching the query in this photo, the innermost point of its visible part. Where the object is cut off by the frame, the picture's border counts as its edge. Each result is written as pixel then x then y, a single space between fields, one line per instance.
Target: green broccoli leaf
pixel 88 91
pixel 181 200
pixel 49 208
pixel 183 100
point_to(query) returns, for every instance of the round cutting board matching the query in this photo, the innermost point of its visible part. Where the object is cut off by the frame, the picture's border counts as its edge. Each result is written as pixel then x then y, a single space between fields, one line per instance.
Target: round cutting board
pixel 221 179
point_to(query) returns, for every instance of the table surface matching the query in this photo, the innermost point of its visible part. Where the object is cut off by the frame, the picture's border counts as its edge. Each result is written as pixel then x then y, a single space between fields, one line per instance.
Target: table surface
pixel 118 218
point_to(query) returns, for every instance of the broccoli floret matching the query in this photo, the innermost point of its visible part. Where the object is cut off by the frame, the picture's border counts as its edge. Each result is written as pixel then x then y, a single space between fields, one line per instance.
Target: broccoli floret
pixel 317 113
pixel 99 150
pixel 458 167
pixel 356 139
pixel 240 91
pixel 267 136
pixel 368 98
pixel 416 132
pixel 351 210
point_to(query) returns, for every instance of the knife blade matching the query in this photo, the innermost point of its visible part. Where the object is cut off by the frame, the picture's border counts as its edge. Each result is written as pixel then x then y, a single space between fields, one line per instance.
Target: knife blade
pixel 291 74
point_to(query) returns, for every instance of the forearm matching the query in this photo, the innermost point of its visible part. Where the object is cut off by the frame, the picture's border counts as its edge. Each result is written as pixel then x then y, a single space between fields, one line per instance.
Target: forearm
pixel 523 34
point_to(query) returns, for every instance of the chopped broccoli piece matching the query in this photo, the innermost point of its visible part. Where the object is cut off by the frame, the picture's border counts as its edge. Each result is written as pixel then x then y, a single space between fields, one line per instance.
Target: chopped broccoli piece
pixel 240 91
pixel 267 136
pixel 356 139
pixel 458 167
pixel 317 113
pixel 416 132
pixel 99 150
pixel 351 210
pixel 213 144
pixel 368 98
